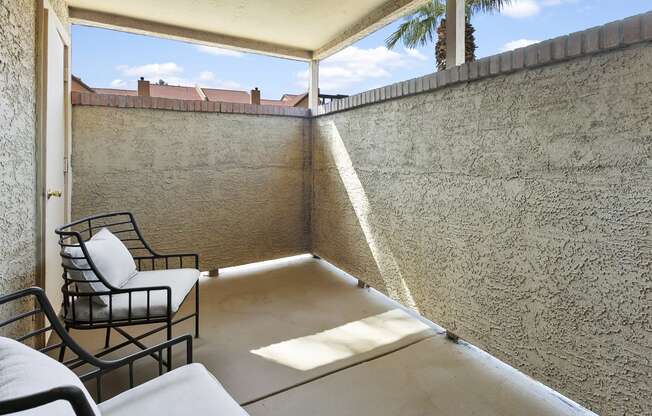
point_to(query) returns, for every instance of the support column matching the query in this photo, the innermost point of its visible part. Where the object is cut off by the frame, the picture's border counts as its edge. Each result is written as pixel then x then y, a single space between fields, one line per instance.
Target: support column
pixel 313 89
pixel 455 32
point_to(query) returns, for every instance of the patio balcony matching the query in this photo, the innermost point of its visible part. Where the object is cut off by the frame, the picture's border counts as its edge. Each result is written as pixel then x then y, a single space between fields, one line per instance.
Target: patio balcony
pixel 473 241
pixel 297 336
pixel 508 231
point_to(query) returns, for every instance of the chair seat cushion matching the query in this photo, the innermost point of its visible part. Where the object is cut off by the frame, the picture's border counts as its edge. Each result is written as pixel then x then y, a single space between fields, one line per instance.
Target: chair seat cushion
pixel 188 390
pixel 25 371
pixel 180 282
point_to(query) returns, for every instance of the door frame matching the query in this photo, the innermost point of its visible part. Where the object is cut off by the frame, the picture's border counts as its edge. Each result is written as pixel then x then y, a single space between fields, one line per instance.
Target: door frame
pixel 43 12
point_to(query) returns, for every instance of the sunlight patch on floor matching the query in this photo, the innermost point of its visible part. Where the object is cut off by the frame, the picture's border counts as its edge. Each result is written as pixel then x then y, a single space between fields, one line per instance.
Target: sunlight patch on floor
pixel 345 341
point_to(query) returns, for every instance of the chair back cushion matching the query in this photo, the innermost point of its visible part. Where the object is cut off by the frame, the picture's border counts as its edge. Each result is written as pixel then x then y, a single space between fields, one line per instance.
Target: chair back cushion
pixel 111 258
pixel 25 371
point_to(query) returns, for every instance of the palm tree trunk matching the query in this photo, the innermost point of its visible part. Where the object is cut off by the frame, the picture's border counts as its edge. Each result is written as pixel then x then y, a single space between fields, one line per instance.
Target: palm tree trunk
pixel 469 42
pixel 440 46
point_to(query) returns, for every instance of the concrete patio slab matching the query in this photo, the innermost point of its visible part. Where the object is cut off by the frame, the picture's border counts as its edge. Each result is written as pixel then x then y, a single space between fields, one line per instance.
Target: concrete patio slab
pixel 432 377
pixel 271 326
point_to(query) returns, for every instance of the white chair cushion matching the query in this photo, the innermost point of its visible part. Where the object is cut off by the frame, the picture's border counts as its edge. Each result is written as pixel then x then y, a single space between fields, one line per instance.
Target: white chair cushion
pixel 188 390
pixel 180 282
pixel 111 258
pixel 25 371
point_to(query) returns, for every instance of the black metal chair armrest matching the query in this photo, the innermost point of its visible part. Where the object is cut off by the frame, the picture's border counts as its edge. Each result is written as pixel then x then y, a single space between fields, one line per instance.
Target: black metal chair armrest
pixel 45 307
pixel 142 289
pixel 167 257
pixel 121 292
pixel 159 255
pixel 71 394
pixel 103 367
pixel 109 365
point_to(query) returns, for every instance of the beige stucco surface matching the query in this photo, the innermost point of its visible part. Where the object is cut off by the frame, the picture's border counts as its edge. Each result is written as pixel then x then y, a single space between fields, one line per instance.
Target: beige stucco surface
pixel 284 23
pixel 228 186
pixel 17 148
pixel 60 8
pixel 514 211
pixel 17 140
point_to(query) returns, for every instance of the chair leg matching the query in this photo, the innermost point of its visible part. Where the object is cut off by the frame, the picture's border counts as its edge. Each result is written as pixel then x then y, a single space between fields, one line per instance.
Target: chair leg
pixel 107 338
pixel 169 336
pixel 197 309
pixel 62 351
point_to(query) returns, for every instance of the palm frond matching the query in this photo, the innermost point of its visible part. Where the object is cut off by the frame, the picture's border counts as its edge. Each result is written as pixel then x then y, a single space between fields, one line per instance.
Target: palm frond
pixel 419 28
pixel 485 6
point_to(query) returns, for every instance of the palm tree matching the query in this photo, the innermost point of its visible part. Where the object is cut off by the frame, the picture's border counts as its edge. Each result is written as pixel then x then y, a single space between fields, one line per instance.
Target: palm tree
pixel 420 27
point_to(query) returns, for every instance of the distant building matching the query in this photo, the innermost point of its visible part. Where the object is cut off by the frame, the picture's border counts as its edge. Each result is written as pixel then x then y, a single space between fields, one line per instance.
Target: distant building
pixel 147 89
pixel 79 86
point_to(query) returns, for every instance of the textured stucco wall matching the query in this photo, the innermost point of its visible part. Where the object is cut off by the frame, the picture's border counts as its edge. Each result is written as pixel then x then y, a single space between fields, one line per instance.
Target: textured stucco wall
pixel 228 186
pixel 60 8
pixel 515 211
pixel 17 140
pixel 17 147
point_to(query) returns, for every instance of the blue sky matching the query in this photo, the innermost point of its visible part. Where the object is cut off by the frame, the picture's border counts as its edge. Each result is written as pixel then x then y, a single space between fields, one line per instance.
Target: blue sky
pixel 104 58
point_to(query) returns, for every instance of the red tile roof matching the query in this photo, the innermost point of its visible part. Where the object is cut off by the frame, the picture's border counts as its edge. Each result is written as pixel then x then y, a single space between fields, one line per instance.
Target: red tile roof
pixel 79 85
pixel 273 102
pixel 190 93
pixel 161 91
pixel 115 91
pixel 229 96
pixel 173 91
pixel 293 99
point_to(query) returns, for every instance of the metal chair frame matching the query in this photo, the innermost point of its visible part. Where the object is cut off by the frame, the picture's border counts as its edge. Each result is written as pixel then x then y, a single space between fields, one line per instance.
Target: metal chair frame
pixel 100 367
pixel 124 226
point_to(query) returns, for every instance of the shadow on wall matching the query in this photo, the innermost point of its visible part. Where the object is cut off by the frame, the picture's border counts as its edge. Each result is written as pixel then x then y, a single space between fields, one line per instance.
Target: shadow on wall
pixel 388 270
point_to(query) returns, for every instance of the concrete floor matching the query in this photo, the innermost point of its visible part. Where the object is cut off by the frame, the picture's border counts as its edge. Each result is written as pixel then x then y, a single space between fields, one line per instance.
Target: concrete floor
pixel 297 337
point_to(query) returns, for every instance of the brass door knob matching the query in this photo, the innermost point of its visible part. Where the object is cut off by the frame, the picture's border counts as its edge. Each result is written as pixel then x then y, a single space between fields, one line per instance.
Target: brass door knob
pixel 54 193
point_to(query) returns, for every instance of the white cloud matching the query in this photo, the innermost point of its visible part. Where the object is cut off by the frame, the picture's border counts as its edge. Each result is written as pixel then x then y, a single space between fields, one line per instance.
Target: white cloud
pixel 168 71
pixel 211 50
pixel 547 3
pixel 207 79
pixel 354 65
pixel 171 73
pixel 118 83
pixel 206 76
pixel 225 85
pixel 521 8
pixel 416 54
pixel 519 43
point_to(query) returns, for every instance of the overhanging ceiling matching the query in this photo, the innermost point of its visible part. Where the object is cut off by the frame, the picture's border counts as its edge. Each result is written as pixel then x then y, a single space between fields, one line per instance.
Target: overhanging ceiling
pixel 296 29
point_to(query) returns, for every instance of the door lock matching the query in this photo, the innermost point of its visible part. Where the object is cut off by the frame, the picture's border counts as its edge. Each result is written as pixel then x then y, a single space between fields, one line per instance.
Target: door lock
pixel 54 193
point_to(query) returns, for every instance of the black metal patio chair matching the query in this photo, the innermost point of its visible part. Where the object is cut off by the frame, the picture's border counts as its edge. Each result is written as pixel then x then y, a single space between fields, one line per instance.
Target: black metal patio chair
pixel 98 366
pixel 35 382
pixel 152 295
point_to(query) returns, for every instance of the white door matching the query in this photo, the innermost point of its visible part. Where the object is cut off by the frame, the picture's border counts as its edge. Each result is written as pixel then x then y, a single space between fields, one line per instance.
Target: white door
pixel 55 131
